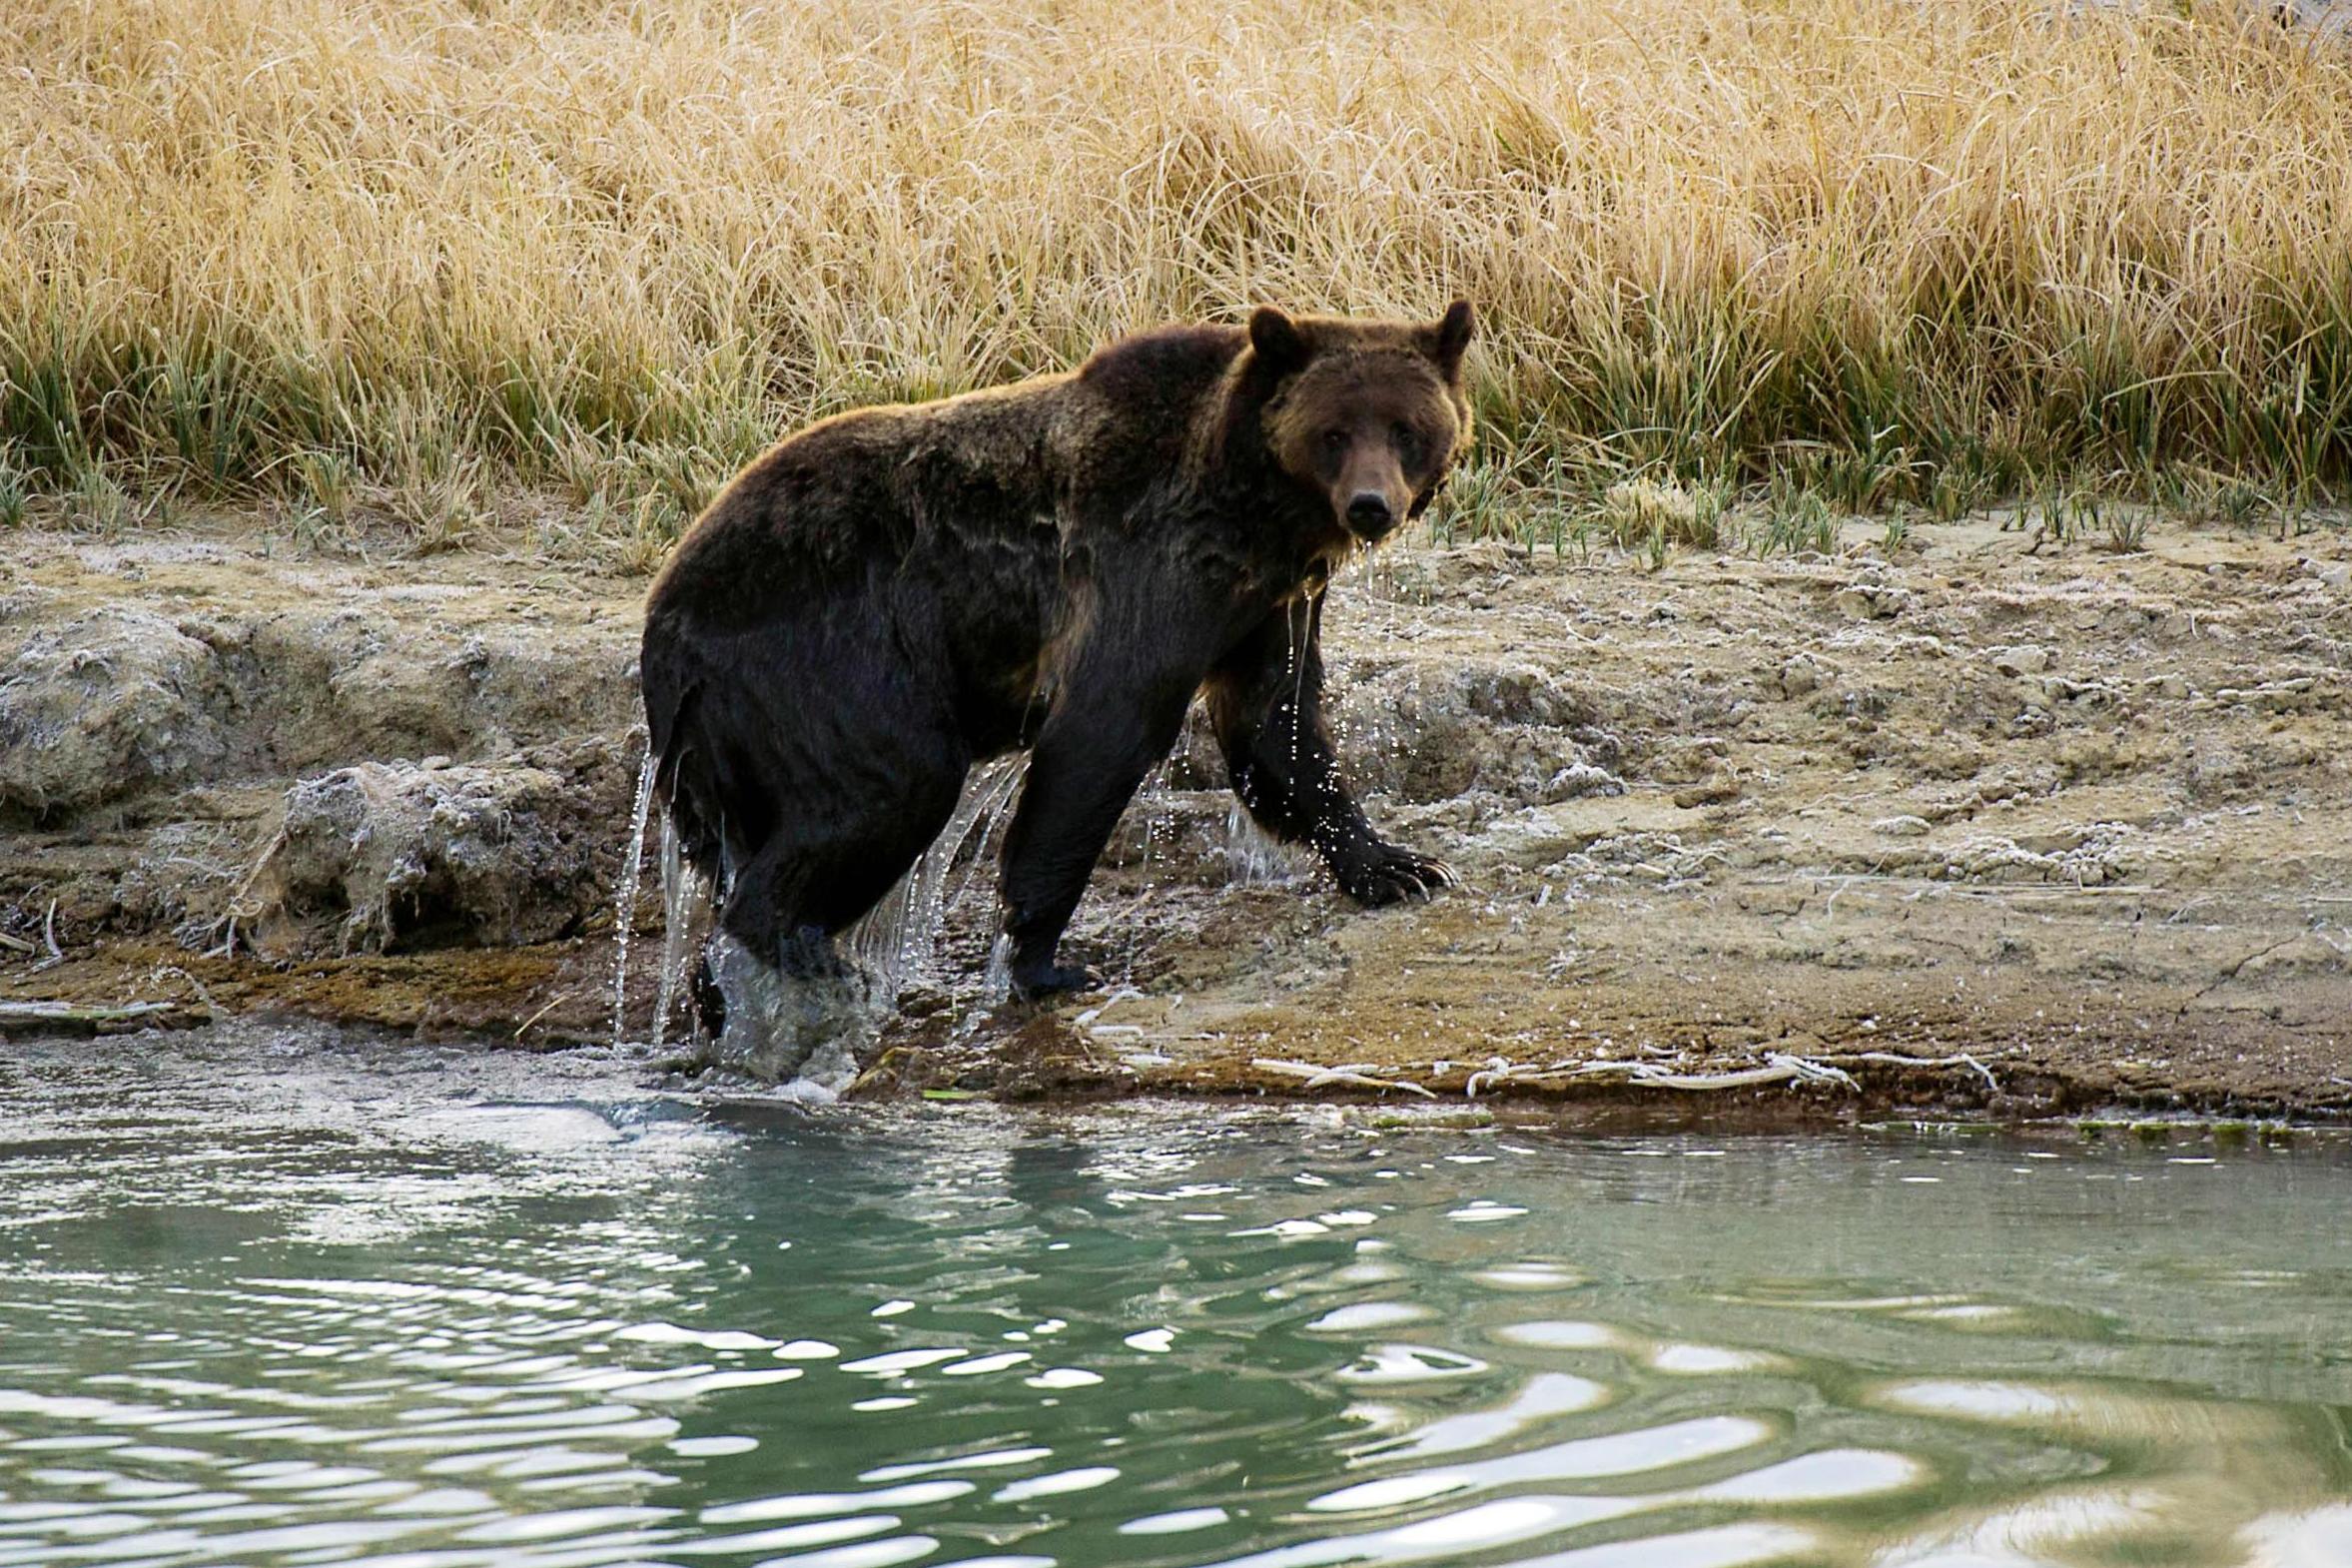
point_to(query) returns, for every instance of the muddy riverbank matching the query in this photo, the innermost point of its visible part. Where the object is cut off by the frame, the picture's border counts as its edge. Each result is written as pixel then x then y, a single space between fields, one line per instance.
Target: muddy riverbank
pixel 1995 825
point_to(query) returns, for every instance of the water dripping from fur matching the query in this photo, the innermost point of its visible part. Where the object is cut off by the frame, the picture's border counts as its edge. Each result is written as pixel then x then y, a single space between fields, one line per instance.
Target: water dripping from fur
pixel 625 913
pixel 898 940
pixel 1300 627
pixel 809 1032
pixel 685 913
pixel 1255 858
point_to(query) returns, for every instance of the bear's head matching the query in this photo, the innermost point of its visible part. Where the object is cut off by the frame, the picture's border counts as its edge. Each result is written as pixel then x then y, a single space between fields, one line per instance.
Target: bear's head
pixel 1367 414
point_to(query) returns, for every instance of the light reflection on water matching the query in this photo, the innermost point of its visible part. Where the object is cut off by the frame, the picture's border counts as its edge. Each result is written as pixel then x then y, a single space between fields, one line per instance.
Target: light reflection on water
pixel 436 1333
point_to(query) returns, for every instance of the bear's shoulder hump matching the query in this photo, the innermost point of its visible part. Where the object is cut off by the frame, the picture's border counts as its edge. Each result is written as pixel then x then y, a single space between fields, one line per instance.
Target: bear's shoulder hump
pixel 1163 360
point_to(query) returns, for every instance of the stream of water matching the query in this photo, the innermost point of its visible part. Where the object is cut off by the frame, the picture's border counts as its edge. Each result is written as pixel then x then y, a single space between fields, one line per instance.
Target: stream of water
pixel 356 1306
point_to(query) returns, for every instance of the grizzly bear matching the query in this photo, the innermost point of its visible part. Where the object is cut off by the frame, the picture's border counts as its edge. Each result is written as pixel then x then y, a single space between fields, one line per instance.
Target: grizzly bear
pixel 896 593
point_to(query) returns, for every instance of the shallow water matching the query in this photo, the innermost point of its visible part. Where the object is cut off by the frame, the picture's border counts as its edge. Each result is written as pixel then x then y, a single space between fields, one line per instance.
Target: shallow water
pixel 357 1311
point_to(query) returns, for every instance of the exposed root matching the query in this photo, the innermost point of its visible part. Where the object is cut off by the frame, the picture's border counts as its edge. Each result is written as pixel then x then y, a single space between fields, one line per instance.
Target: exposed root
pixel 1958 1059
pixel 49 939
pixel 1358 1075
pixel 1779 1067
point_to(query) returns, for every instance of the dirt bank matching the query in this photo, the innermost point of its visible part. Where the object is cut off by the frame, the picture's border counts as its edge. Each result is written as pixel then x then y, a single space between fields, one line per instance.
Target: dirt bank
pixel 1995 824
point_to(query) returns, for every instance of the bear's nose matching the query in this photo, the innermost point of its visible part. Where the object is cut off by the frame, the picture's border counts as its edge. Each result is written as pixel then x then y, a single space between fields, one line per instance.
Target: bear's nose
pixel 1368 510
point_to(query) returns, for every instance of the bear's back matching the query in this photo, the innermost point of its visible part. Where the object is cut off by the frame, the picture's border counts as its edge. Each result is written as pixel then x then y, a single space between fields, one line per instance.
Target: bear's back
pixel 1162 365
pixel 873 486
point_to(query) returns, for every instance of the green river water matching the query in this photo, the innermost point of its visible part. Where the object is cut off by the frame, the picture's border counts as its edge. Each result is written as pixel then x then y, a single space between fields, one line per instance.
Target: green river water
pixel 372 1306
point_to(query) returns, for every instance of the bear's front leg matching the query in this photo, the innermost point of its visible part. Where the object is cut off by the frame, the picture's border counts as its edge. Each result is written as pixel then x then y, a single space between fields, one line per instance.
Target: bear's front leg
pixel 1112 724
pixel 1266 700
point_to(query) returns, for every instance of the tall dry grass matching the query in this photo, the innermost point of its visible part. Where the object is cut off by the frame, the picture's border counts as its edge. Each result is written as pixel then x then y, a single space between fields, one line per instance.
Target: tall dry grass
pixel 414 249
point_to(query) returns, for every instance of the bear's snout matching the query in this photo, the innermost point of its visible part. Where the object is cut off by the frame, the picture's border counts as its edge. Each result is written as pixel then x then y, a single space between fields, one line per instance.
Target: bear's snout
pixel 1369 515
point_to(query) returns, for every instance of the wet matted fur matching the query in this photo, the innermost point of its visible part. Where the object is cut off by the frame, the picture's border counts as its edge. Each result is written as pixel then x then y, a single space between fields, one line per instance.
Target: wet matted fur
pixel 892 595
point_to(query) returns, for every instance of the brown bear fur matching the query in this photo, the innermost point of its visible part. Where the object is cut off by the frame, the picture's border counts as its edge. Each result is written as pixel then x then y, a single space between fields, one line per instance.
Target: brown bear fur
pixel 894 594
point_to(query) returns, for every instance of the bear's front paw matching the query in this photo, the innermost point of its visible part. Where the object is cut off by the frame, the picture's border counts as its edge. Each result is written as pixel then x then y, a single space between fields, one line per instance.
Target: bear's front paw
pixel 1035 982
pixel 1389 874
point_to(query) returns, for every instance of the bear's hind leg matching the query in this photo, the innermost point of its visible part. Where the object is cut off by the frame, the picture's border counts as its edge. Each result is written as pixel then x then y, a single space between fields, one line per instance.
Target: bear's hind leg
pixel 820 871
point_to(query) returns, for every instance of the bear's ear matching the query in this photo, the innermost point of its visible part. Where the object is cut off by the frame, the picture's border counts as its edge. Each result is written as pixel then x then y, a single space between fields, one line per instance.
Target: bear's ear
pixel 1451 337
pixel 1279 344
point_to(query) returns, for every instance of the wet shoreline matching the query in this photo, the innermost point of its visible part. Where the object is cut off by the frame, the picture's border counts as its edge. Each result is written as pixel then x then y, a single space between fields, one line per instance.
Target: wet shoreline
pixel 1985 829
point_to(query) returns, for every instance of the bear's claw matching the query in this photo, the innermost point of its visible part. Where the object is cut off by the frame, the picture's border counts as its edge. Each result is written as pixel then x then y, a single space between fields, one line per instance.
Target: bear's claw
pixel 1398 874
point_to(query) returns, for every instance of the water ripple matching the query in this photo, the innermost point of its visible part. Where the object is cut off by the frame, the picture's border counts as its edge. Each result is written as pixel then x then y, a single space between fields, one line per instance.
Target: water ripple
pixel 1154 1342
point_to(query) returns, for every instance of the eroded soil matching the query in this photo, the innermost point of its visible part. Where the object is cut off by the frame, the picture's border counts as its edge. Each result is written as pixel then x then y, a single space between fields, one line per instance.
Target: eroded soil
pixel 1995 825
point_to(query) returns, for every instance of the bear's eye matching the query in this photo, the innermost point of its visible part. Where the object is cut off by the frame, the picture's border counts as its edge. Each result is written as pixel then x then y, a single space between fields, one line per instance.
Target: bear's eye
pixel 1334 441
pixel 1408 440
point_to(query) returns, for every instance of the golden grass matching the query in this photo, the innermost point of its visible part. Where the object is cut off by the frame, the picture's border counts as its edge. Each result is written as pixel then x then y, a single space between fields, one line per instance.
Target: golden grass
pixel 424 247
